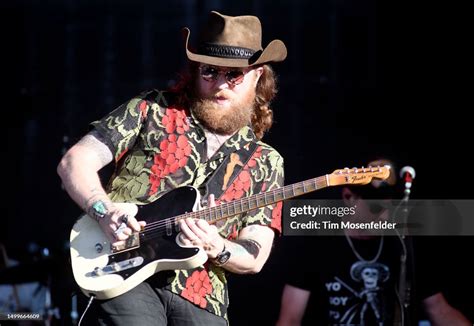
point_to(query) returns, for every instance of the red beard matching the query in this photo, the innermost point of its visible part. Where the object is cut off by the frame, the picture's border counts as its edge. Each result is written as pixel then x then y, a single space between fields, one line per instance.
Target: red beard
pixel 225 121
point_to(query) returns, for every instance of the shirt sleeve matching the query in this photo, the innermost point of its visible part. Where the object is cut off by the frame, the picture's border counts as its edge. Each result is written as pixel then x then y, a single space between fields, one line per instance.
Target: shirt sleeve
pixel 120 128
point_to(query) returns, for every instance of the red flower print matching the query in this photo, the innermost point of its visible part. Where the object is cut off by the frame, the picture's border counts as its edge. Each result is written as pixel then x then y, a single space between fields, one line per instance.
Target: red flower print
pixel 197 286
pixel 175 120
pixel 238 188
pixel 258 152
pixel 174 150
pixel 174 155
pixel 276 216
pixel 143 109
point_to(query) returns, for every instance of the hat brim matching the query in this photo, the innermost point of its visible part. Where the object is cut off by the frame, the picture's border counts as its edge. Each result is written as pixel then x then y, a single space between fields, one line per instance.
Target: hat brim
pixel 275 51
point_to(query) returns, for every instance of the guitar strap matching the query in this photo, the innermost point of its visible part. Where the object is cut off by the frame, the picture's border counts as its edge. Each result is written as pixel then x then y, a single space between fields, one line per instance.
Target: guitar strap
pixel 225 174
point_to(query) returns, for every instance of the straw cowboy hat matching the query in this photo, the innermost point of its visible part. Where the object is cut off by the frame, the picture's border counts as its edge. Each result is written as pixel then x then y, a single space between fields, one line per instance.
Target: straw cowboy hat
pixel 233 42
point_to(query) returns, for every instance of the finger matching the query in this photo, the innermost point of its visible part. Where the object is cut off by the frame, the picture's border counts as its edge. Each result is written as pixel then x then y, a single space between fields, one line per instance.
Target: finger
pixel 133 223
pixel 204 226
pixel 212 200
pixel 121 236
pixel 128 231
pixel 183 240
pixel 192 224
pixel 116 217
pixel 112 226
pixel 186 230
pixel 118 244
pixel 121 233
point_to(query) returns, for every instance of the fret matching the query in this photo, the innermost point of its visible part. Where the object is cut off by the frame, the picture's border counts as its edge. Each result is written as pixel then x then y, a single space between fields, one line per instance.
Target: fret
pixel 222 211
pixel 197 215
pixel 250 204
pixel 297 189
pixel 245 204
pixel 204 214
pixel 277 195
pixel 229 213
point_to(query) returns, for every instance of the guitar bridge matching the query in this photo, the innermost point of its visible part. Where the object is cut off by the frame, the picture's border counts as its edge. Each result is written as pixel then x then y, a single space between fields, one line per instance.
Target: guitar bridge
pixel 132 242
pixel 116 267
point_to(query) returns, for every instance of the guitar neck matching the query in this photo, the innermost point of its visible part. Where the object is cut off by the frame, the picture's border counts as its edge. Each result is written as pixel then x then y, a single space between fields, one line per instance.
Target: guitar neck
pixel 239 206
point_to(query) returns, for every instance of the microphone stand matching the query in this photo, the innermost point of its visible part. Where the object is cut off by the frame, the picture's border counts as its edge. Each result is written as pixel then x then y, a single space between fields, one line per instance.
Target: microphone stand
pixel 405 284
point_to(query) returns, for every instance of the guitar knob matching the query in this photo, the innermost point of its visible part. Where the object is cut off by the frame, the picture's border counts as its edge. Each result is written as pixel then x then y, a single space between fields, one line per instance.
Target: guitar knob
pixel 99 247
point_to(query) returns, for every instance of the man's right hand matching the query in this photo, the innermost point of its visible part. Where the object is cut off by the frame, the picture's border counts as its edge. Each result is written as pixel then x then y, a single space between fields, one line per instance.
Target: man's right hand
pixel 120 222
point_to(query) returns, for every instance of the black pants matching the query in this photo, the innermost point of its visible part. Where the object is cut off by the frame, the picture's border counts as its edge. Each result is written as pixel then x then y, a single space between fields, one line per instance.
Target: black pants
pixel 146 305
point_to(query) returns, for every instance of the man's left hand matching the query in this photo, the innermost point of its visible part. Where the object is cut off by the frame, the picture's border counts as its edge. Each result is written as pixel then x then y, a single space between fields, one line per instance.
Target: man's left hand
pixel 197 232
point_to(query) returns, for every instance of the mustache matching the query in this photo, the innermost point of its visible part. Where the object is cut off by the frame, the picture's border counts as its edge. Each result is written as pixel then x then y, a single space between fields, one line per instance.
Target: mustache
pixel 222 94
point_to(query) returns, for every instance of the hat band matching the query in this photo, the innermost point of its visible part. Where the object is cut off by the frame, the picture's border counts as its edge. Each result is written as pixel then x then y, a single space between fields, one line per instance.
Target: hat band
pixel 226 51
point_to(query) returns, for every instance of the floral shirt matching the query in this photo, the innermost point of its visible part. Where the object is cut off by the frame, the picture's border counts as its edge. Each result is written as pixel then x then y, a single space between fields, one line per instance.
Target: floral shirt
pixel 159 146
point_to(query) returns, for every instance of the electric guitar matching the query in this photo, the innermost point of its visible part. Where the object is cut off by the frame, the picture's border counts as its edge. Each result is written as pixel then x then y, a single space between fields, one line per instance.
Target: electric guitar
pixel 105 272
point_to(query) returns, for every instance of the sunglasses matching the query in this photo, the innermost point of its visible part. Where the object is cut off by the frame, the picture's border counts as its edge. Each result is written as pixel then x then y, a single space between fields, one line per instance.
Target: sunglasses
pixel 232 76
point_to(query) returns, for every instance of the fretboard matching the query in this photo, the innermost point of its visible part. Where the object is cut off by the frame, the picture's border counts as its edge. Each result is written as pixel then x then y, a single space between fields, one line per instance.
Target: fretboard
pixel 239 206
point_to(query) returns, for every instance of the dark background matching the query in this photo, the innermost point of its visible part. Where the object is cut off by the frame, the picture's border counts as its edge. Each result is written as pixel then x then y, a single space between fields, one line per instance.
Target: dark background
pixel 361 79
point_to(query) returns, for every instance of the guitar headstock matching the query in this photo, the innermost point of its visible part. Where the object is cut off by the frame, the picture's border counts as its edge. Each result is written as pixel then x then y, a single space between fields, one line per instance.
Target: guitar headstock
pixel 358 176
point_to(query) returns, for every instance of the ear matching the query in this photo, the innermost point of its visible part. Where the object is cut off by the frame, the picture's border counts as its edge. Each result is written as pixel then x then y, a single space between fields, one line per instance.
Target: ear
pixel 348 197
pixel 258 73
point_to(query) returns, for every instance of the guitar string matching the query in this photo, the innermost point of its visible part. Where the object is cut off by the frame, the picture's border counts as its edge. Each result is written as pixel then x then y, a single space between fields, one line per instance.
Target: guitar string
pixel 227 206
pixel 157 228
pixel 205 212
pixel 160 227
pixel 154 229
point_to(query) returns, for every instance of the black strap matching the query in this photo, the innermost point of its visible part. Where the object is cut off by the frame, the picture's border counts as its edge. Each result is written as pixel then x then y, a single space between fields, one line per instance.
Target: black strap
pixel 228 170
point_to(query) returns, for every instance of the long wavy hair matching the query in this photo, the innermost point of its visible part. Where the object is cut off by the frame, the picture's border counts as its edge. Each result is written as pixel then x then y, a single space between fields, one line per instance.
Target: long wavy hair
pixel 262 116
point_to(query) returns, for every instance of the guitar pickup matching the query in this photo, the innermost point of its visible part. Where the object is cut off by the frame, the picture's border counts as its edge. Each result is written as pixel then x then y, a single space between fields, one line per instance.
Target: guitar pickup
pixel 116 267
pixel 132 242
